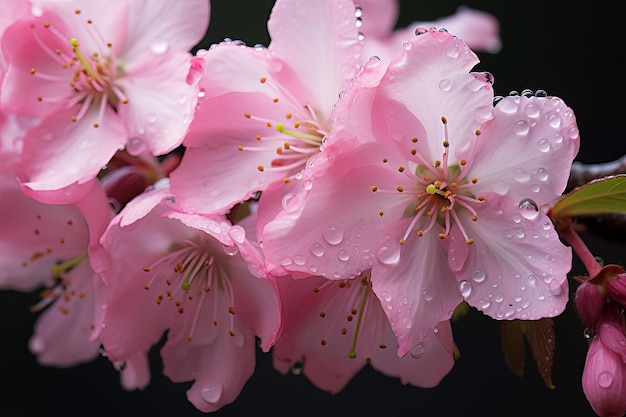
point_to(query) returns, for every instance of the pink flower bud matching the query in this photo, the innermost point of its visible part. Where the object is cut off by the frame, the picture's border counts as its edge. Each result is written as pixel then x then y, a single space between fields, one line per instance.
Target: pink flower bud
pixel 590 300
pixel 604 376
pixel 616 289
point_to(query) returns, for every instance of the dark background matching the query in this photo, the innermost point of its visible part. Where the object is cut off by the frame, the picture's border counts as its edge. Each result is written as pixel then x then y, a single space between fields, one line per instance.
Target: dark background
pixel 569 49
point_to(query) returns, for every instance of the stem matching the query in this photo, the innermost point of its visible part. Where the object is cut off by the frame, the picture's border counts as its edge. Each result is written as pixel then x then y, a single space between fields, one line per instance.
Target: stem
pixel 583 252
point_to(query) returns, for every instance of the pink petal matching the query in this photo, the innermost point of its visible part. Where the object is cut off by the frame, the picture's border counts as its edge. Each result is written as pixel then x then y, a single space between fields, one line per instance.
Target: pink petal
pixel 427 362
pixel 526 150
pixel 62 333
pixel 517 267
pixel 59 152
pixel 332 52
pixel 415 289
pixel 161 103
pixel 136 373
pixel 34 236
pixel 165 25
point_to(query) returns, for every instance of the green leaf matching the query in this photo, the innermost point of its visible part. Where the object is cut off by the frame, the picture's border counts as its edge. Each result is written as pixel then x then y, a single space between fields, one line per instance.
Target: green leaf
pixel 601 196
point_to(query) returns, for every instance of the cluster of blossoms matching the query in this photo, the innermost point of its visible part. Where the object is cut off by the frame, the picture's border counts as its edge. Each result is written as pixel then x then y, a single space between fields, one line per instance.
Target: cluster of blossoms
pixel 331 204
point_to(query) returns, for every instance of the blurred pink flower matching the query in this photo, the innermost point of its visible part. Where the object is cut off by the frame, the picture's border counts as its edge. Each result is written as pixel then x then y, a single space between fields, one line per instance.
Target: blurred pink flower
pixel 101 76
pixel 332 329
pixel 428 184
pixel 267 110
pixel 478 29
pixel 196 277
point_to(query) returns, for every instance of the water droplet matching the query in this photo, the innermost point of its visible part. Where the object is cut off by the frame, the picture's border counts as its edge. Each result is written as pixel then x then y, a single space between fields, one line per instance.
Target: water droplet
pixel 555 121
pixel 508 105
pixel 499 298
pixel 543 145
pixel 466 288
pixel 386 296
pixel 484 303
pixel 517 218
pixel 428 294
pixel 452 51
pixel 555 287
pixel 558 138
pixel 535 188
pixel 151 118
pixel 237 233
pixel 212 392
pixel 417 351
pixel 521 127
pixel 478 275
pixel 317 249
pixel 532 110
pixel 135 146
pixel 159 47
pixel 519 233
pixel 358 12
pixel 286 261
pixel 528 204
pixel 420 30
pixel 296 368
pixel 333 236
pixel 343 255
pixel 445 85
pixel 542 174
pixel 389 253
pixel 605 379
pixel 520 175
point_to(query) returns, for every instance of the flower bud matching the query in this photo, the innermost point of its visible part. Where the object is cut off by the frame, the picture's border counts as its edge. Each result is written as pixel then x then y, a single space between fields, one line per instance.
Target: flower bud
pixel 616 289
pixel 590 300
pixel 604 376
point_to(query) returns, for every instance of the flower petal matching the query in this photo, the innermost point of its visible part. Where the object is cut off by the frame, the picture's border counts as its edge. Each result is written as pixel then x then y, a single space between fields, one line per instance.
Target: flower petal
pixel 517 266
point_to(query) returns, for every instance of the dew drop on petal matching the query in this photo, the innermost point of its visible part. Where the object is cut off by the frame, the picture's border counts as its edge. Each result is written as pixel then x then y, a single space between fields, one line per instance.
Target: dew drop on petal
pixel 417 351
pixel 151 118
pixel 307 185
pixel 532 110
pixel 333 236
pixel 528 204
pixel 237 233
pixel 605 379
pixel 542 174
pixel 466 288
pixel 343 255
pixel 555 287
pixel 478 275
pixel 521 128
pixel 389 253
pixel 135 146
pixel 543 145
pixel 317 249
pixel 212 392
pixel 428 294
pixel 445 84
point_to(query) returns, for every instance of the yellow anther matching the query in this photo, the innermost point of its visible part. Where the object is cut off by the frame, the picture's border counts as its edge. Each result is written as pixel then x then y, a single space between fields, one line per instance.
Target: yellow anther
pixel 442 236
pixel 262 80
pixel 275 100
pixel 444 120
pixel 414 139
pixel 239 147
pixel 401 169
pixel 469 241
pixel 374 188
pixel 399 189
pixel 402 241
pixel 261 168
pixel 381 213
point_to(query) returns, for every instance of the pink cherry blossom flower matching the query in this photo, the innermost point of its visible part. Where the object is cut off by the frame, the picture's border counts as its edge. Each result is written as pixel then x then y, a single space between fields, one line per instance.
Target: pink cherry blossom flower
pixel 45 246
pixel 101 76
pixel 604 376
pixel 266 110
pixel 332 329
pixel 480 30
pixel 427 183
pixel 199 279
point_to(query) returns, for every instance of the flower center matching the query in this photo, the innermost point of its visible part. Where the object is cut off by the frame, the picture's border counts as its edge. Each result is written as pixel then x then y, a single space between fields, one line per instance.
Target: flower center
pixel 186 277
pixel 92 77
pixel 292 139
pixel 437 193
